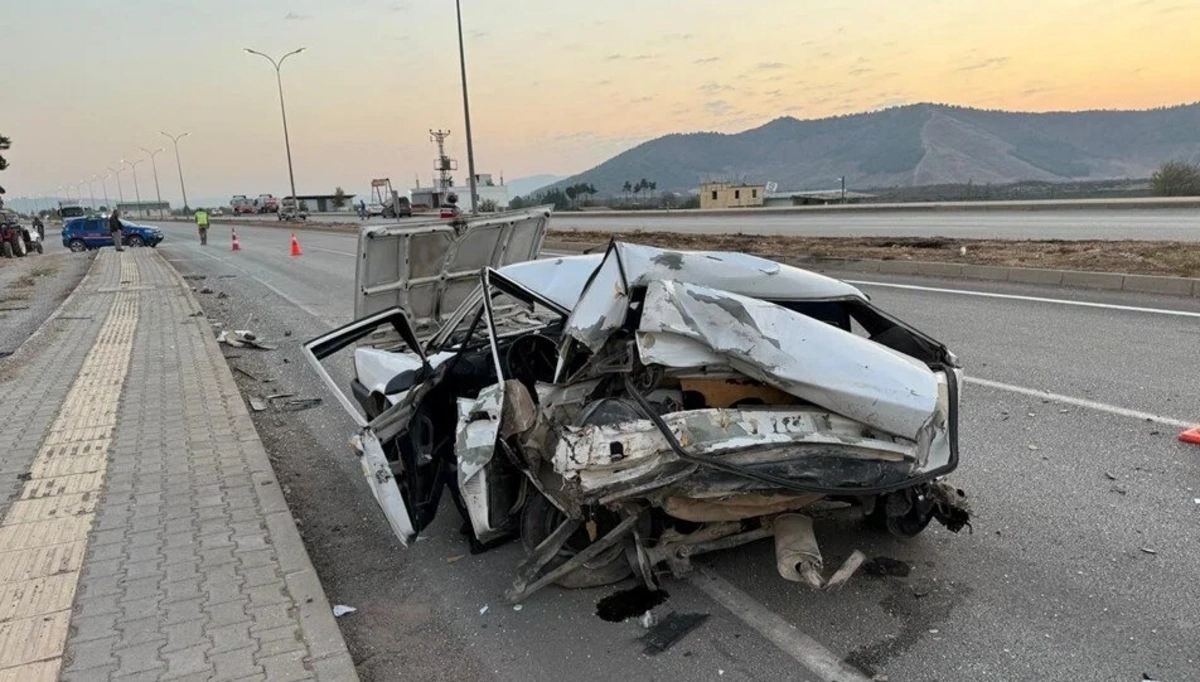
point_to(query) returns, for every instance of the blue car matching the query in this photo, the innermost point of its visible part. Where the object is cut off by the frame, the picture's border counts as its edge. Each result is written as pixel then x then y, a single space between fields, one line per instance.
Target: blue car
pixel 81 234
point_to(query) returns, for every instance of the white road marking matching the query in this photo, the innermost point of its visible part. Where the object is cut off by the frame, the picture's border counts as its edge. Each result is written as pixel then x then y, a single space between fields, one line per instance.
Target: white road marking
pixel 340 253
pixel 1035 299
pixel 807 651
pixel 1080 402
pixel 282 294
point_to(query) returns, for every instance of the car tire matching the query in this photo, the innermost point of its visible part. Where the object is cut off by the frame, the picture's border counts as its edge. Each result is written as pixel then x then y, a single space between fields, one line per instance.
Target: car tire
pixel 38 246
pixel 19 247
pixel 539 518
pixel 6 249
pixel 135 241
pixel 76 246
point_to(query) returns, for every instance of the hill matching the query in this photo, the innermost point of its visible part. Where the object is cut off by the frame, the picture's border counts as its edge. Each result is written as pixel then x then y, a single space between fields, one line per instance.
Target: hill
pixel 919 144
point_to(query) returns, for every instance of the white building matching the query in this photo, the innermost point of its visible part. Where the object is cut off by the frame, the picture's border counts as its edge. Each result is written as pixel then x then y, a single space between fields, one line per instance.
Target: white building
pixel 487 188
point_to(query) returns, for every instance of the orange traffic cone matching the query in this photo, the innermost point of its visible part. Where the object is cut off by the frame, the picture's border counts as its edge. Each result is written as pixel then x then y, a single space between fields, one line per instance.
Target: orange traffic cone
pixel 1191 436
pixel 237 246
pixel 295 245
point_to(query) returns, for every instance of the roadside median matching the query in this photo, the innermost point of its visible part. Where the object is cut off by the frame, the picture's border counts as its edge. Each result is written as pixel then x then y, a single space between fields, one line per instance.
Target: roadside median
pixel 1130 265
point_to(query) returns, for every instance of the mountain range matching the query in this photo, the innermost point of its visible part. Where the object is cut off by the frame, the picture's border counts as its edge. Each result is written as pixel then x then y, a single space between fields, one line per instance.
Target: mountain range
pixel 918 144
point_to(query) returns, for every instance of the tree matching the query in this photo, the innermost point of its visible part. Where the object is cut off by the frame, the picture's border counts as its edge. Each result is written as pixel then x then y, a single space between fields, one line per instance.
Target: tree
pixel 488 206
pixel 627 188
pixel 1176 179
pixel 572 192
pixel 339 198
pixel 518 203
pixel 5 143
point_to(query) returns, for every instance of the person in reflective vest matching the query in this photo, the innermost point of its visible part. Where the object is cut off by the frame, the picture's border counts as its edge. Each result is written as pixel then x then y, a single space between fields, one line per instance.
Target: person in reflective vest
pixel 202 225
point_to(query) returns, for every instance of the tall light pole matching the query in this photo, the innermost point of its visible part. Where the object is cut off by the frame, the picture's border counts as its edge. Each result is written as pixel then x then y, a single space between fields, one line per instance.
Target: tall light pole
pixel 462 61
pixel 91 192
pixel 175 140
pixel 133 167
pixel 104 184
pixel 155 167
pixel 120 192
pixel 286 143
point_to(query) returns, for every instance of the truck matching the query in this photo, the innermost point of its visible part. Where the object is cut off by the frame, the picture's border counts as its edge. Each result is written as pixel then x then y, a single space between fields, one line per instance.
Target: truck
pixel 242 204
pixel 266 203
pixel 394 205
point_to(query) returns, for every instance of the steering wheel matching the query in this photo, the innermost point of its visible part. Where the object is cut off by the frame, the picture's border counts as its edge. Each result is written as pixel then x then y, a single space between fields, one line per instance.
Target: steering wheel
pixel 531 358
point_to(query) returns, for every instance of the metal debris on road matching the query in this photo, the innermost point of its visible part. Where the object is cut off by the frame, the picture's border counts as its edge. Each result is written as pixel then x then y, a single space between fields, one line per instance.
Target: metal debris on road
pixel 846 571
pixel 341 610
pixel 295 404
pixel 257 404
pixel 206 290
pixel 1147 550
pixel 670 631
pixel 1110 476
pixel 222 295
pixel 483 610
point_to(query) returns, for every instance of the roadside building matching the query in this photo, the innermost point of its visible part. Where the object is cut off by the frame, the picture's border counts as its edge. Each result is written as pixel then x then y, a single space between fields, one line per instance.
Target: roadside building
pixel 729 195
pixel 488 189
pixel 323 203
pixel 144 209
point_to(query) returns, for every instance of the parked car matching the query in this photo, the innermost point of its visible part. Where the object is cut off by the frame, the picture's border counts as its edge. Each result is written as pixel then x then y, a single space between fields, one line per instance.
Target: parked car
pixel 449 211
pixel 400 208
pixel 242 204
pixel 17 239
pixel 622 412
pixel 81 234
pixel 374 209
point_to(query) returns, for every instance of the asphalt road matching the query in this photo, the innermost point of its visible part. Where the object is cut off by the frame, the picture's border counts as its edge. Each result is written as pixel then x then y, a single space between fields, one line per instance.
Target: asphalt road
pixel 1081 563
pixel 1113 223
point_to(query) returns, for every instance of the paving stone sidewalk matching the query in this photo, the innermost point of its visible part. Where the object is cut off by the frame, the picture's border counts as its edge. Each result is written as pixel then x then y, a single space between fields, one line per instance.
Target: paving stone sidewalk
pixel 144 536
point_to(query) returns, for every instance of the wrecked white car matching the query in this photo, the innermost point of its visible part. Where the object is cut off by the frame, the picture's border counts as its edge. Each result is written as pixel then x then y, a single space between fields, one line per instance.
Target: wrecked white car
pixel 625 411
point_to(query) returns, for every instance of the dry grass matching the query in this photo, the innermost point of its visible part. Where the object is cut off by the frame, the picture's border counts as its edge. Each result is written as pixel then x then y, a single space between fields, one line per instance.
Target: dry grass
pixel 1180 259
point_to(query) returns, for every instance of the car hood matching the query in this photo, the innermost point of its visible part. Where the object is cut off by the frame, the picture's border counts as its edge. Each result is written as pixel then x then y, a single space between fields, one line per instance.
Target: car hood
pixel 428 268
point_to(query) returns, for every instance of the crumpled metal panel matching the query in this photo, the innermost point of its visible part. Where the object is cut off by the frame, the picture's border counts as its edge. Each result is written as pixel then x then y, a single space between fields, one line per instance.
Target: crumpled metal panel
pixel 810 359
pixel 604 303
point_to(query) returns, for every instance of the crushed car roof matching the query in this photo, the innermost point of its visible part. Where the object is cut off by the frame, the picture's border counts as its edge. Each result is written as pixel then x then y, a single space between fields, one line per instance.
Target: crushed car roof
pixel 563 279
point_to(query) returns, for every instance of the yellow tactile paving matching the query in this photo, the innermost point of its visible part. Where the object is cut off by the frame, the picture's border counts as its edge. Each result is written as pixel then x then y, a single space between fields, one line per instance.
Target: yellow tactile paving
pixel 41 562
pixel 63 485
pixel 42 671
pixel 43 536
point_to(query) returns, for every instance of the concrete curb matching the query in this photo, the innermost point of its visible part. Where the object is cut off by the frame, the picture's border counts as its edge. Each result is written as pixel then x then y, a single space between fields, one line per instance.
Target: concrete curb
pixel 1078 279
pixel 329 653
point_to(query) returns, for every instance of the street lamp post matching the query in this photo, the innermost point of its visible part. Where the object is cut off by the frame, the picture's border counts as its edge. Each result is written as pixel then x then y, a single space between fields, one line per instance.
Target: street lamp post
pixel 286 143
pixel 104 184
pixel 136 192
pixel 175 140
pixel 117 173
pixel 155 167
pixel 462 61
pixel 91 192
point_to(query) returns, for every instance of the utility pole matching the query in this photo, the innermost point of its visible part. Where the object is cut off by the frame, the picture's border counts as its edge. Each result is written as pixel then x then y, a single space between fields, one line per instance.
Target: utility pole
pixel 137 192
pixel 175 140
pixel 104 184
pixel 120 192
pixel 843 189
pixel 155 167
pixel 286 143
pixel 91 192
pixel 462 61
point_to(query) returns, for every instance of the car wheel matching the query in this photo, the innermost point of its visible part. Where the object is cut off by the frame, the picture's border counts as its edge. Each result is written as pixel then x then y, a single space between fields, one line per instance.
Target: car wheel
pixel 77 246
pixel 38 246
pixel 19 247
pixel 6 249
pixel 136 241
pixel 901 514
pixel 539 518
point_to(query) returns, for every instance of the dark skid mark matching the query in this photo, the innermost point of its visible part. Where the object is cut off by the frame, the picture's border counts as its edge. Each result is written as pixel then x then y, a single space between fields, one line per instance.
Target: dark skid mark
pixel 629 603
pixel 673 628
pixel 670 259
pixel 886 566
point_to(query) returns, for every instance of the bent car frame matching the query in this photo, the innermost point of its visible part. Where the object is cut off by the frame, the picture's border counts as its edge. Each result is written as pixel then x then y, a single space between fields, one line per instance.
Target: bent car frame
pixel 623 412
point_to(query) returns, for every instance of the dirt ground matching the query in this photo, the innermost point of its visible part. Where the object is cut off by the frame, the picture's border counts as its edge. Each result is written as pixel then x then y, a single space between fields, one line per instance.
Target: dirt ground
pixel 31 289
pixel 1180 259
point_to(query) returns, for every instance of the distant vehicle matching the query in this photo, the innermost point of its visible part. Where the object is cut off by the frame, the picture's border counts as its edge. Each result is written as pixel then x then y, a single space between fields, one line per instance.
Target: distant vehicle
pixel 242 204
pixel 217 212
pixel 392 205
pixel 266 203
pixel 288 210
pixel 66 211
pixel 17 239
pixel 82 234
pixel 374 209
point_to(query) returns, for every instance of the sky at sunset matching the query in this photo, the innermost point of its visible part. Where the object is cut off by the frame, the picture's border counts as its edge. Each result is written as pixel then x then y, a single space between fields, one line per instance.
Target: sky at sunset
pixel 557 86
